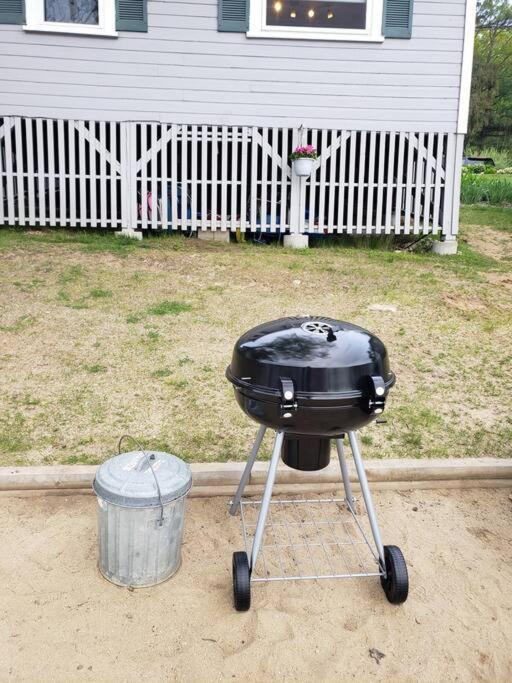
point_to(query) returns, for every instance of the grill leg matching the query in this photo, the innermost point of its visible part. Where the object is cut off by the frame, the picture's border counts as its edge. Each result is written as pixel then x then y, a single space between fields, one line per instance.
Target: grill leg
pixel 267 494
pixel 344 474
pixel 235 503
pixel 367 496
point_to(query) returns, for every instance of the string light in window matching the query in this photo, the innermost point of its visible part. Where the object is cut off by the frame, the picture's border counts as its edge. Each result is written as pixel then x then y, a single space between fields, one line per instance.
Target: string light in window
pixel 311 13
pixel 278 6
pixel 293 14
pixel 330 14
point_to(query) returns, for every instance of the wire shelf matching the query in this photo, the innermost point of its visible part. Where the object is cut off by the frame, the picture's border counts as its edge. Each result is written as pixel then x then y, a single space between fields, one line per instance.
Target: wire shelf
pixel 309 539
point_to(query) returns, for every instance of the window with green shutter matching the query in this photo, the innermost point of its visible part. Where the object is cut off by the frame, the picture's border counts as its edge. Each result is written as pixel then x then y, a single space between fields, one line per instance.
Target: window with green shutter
pixel 357 20
pixel 91 17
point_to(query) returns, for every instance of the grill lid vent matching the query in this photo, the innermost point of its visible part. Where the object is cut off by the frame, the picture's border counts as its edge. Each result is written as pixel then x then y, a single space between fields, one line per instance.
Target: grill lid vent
pixel 316 327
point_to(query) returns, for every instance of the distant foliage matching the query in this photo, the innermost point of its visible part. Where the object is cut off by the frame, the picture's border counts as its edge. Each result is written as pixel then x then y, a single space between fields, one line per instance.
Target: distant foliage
pixel 491 87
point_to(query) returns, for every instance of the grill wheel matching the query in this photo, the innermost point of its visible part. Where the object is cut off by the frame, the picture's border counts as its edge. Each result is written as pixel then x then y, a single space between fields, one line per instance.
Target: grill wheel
pixel 241 582
pixel 396 583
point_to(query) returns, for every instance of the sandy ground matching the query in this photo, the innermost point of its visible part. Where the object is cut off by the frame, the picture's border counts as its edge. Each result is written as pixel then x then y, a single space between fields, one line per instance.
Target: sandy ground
pixel 60 621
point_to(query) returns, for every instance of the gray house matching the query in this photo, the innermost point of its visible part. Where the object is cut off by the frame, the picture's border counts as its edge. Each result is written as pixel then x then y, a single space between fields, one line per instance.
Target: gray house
pixel 182 114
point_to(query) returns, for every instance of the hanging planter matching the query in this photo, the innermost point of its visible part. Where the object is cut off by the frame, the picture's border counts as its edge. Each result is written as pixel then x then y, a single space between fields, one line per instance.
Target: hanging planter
pixel 302 159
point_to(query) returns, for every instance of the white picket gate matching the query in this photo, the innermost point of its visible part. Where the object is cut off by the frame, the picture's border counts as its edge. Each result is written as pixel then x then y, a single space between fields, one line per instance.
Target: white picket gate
pixel 154 176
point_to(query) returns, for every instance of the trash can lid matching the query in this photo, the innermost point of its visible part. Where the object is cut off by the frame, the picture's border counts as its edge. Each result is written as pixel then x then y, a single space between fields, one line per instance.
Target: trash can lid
pixel 128 479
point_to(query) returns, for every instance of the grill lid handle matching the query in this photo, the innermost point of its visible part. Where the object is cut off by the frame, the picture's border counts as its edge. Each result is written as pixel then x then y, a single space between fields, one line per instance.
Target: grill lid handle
pixel 288 403
pixel 377 398
pixel 378 386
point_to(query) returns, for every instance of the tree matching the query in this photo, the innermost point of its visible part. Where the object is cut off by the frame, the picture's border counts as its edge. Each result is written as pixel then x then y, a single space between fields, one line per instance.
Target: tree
pixel 491 88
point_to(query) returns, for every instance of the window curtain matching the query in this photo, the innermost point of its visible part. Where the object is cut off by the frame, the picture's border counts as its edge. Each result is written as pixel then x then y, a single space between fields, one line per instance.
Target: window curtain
pixel 72 11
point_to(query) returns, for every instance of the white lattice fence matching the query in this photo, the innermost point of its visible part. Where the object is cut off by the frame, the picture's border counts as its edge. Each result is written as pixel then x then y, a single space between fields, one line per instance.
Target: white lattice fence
pixel 155 176
pixel 210 177
pixel 376 182
pixel 62 173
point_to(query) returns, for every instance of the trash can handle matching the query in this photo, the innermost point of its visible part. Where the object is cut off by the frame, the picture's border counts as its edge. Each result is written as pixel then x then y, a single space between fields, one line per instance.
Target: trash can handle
pixel 148 460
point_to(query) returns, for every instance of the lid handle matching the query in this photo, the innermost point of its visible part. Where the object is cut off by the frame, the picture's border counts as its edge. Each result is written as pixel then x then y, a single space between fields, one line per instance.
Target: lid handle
pixel 377 394
pixel 288 405
pixel 378 386
pixel 145 459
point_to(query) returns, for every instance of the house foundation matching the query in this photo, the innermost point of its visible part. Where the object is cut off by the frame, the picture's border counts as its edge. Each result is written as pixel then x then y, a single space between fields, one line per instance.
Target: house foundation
pixel 296 241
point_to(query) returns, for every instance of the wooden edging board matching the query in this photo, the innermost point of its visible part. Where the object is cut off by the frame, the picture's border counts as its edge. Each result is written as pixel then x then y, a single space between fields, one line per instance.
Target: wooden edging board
pixel 212 479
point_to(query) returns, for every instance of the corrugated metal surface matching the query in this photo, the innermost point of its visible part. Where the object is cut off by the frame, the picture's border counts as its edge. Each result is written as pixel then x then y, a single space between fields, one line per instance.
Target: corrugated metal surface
pixel 133 548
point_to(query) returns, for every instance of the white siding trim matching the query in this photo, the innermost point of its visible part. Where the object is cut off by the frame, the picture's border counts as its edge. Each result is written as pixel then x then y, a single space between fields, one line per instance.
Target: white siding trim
pixel 467 67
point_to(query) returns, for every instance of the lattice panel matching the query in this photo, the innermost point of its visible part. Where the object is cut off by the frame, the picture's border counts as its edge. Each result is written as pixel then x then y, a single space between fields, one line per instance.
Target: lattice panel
pixel 157 176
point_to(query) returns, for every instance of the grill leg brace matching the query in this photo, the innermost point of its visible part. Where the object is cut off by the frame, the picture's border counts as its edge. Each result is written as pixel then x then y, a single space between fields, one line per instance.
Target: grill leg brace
pixel 267 494
pixel 344 474
pixel 235 503
pixel 365 489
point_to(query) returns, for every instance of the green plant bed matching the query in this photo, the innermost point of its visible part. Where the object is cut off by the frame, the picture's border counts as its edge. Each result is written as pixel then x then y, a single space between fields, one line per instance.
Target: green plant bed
pixel 486 188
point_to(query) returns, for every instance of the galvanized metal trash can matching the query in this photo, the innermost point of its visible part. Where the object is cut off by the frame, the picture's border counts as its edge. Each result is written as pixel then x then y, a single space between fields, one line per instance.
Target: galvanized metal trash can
pixel 141 511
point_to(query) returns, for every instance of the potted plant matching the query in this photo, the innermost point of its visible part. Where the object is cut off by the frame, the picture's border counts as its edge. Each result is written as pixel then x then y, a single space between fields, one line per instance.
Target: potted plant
pixel 302 160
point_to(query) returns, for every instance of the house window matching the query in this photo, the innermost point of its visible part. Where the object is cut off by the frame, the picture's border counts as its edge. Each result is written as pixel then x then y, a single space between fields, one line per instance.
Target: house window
pixel 317 19
pixel 92 17
pixel 71 11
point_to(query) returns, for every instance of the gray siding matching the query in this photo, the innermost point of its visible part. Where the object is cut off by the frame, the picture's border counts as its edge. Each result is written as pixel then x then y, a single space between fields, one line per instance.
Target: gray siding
pixel 184 71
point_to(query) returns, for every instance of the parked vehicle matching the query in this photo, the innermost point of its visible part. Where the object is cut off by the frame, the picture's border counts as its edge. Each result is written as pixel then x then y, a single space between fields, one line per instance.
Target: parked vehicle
pixel 478 161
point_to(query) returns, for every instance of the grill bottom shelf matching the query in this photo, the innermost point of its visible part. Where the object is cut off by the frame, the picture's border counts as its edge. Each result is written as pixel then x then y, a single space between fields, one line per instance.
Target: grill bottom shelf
pixel 310 539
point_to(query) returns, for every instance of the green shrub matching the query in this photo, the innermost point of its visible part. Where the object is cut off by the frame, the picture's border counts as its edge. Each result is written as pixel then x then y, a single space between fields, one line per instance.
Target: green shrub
pixel 483 188
pixel 478 169
pixel 473 170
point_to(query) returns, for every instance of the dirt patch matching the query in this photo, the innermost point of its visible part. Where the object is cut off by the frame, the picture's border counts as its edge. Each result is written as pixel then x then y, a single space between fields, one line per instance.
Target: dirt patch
pixel 497 245
pixel 464 303
pixel 500 279
pixel 61 621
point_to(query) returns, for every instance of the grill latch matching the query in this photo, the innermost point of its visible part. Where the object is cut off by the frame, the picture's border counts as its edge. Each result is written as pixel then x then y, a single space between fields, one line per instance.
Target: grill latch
pixel 288 404
pixel 377 395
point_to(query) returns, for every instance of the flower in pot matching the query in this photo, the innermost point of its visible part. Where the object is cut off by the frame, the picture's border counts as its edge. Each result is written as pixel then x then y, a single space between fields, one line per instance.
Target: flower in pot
pixel 302 159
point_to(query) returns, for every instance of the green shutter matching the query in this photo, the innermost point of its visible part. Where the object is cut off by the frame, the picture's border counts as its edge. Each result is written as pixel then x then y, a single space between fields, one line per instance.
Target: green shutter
pixel 397 22
pixel 12 12
pixel 132 15
pixel 233 15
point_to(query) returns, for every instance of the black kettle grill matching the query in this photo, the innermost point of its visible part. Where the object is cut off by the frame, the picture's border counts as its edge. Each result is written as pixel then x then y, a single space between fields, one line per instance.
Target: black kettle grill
pixel 312 380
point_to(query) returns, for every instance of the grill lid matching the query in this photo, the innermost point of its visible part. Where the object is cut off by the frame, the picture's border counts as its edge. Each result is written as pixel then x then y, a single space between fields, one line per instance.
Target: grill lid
pixel 320 357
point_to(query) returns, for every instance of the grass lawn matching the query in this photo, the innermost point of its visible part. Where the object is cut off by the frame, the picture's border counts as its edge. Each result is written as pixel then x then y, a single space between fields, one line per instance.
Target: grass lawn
pixel 101 336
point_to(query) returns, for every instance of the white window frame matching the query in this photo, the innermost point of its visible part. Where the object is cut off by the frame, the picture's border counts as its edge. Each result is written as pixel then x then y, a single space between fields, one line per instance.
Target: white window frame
pixel 106 26
pixel 258 27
